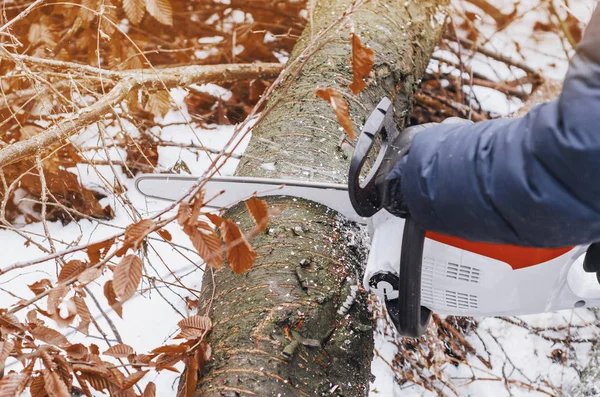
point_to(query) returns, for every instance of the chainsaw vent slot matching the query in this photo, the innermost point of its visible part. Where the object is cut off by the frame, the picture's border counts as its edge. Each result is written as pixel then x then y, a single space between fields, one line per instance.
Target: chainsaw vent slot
pixel 434 272
pixel 460 300
pixel 463 273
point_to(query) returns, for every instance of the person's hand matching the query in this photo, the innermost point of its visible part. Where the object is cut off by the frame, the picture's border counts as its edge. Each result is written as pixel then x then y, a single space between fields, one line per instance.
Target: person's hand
pixel 390 187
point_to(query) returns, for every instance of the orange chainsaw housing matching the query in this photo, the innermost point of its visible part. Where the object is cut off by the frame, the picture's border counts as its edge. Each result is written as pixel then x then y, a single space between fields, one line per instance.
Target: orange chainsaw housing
pixel 517 257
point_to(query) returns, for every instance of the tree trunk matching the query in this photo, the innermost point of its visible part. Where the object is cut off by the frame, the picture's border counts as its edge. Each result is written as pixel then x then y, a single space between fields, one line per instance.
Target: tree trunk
pixel 281 328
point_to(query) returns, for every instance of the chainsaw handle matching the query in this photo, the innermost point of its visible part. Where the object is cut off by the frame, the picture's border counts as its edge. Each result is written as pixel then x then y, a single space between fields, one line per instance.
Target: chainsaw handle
pixel 413 318
pixel 364 196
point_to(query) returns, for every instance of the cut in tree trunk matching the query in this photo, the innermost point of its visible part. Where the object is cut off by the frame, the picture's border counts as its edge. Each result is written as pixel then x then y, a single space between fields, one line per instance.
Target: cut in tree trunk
pixel 281 329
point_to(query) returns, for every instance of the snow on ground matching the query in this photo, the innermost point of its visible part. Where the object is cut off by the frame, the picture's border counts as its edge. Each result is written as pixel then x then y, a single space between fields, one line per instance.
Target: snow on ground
pixel 150 318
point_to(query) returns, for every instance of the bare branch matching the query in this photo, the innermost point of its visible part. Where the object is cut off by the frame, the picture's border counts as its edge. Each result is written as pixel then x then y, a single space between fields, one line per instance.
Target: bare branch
pixel 168 77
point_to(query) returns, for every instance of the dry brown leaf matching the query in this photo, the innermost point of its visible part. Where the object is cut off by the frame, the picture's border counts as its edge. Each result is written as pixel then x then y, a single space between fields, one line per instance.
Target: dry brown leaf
pixel 260 212
pixel 134 9
pixel 109 18
pixel 161 10
pixel 99 368
pixel 195 326
pixel 135 234
pixel 197 205
pixel 184 213
pixel 89 275
pixel 111 297
pixel 36 387
pixel 127 277
pixel 64 370
pixel 33 318
pixel 215 219
pixel 41 286
pixel 120 350
pixel 55 386
pixel 77 351
pixel 202 354
pixel 132 379
pixel 140 359
pixel 84 314
pixel 165 234
pixel 96 251
pixel 170 349
pixel 55 298
pixel 159 103
pixel 191 378
pixel 13 384
pixel 150 390
pixel 50 336
pixel 362 64
pixel 340 108
pixel 71 269
pixel 207 243
pixel 117 377
pixel 5 349
pixel 98 382
pixel 240 255
pixel 83 384
pixel 88 9
pixel 206 351
pixel 9 323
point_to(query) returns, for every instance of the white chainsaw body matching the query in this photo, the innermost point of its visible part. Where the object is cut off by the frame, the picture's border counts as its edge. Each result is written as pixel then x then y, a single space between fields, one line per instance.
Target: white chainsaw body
pixel 455 281
pixel 459 282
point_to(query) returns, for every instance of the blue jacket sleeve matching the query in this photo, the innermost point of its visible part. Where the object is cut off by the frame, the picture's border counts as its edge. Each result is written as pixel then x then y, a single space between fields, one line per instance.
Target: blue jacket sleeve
pixel 531 181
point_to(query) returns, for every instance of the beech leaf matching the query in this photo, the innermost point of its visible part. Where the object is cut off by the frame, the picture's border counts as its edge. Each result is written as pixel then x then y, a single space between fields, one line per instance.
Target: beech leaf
pixel 134 9
pixel 191 377
pixel 260 212
pixel 120 350
pixel 111 297
pixel 207 243
pixel 55 386
pixel 5 349
pixel 77 351
pixel 13 384
pixel 70 270
pixel 36 387
pixel 50 336
pixel 132 379
pixel 159 103
pixel 161 11
pixel 89 275
pixel 150 390
pixel 135 234
pixel 55 298
pixel 127 277
pixel 165 234
pixel 41 286
pixel 184 213
pixel 240 255
pixel 362 64
pixel 10 323
pixel 195 326
pixel 84 314
pixel 340 108
pixel 97 250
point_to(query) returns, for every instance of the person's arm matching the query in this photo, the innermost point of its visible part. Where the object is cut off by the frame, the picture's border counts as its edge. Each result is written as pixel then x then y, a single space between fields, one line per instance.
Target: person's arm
pixel 530 181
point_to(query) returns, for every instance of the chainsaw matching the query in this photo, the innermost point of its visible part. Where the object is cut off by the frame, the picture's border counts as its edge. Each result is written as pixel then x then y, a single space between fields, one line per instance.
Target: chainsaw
pixel 427 272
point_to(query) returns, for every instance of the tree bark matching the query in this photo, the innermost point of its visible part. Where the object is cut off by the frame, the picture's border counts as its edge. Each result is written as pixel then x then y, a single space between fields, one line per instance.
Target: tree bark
pixel 281 328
